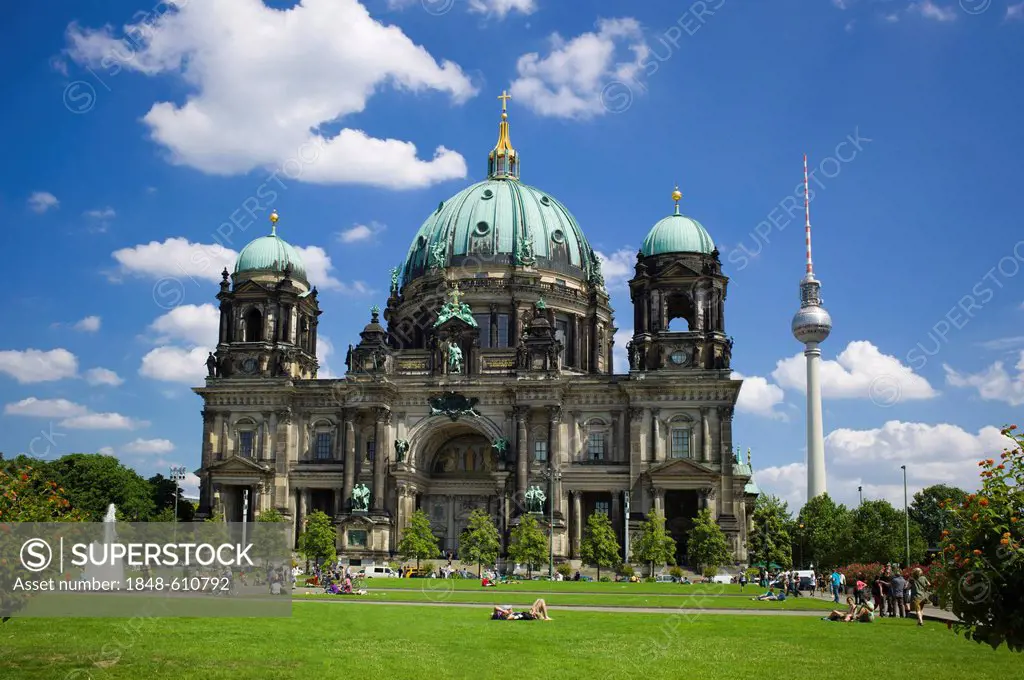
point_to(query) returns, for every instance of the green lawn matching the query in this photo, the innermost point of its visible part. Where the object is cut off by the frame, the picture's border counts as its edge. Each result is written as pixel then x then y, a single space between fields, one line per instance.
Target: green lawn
pixel 510 596
pixel 334 641
pixel 564 586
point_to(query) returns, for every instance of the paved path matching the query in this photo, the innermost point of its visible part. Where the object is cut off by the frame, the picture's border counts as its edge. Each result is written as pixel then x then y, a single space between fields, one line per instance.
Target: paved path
pixel 931 612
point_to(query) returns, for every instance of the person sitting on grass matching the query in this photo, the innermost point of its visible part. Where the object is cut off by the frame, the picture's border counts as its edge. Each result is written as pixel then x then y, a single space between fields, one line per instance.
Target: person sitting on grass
pixel 488 583
pixel 771 596
pixel 865 612
pixel 836 615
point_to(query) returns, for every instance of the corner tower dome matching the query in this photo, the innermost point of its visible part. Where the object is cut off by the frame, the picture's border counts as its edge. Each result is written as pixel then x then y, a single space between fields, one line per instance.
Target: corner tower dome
pixel 270 254
pixel 502 221
pixel 677 233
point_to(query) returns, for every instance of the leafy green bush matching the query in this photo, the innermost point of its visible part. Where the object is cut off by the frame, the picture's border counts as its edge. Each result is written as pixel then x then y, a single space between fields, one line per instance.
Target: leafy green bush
pixel 428 568
pixel 606 579
pixel 710 572
pixel 565 569
pixel 625 569
pixel 675 572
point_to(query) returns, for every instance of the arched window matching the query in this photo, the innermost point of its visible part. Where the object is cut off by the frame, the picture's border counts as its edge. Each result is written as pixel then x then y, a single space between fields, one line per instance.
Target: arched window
pixel 679 312
pixel 680 438
pixel 245 438
pixel 253 325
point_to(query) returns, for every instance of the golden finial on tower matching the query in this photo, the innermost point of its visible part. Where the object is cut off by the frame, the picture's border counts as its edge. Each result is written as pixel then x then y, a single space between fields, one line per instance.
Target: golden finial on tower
pixel 503 162
pixel 504 97
pixel 676 196
pixel 273 223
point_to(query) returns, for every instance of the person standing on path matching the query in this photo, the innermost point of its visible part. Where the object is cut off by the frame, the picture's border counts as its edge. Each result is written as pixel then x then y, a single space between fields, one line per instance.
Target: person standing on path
pixel 837 581
pixel 897 586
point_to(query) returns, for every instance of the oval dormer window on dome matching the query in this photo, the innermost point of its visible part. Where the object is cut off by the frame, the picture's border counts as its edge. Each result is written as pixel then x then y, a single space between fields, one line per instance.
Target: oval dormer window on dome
pixel 557 236
pixel 545 200
pixel 481 228
pixel 487 195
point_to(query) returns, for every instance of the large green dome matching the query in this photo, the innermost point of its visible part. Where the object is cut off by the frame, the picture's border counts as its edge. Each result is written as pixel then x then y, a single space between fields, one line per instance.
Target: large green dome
pixel 501 221
pixel 270 254
pixel 677 234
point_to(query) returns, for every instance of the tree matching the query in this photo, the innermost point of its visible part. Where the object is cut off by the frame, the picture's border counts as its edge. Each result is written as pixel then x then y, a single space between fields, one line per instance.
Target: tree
pixel 654 545
pixel 26 495
pixel 163 492
pixel 983 552
pixel 932 510
pixel 480 541
pixel 318 541
pixel 822 538
pixel 877 533
pixel 769 537
pixel 267 536
pixel 418 539
pixel 528 545
pixel 707 548
pixel 600 546
pixel 94 481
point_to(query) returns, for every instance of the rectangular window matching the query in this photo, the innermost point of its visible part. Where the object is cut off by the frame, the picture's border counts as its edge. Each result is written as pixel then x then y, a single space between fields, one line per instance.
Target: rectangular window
pixel 484 322
pixel 371 448
pixel 323 445
pixel 540 452
pixel 680 442
pixel 503 330
pixel 356 539
pixel 246 443
pixel 595 446
pixel 602 507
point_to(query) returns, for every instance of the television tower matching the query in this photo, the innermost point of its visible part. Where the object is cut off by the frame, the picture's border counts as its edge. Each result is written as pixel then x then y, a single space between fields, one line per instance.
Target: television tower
pixel 811 325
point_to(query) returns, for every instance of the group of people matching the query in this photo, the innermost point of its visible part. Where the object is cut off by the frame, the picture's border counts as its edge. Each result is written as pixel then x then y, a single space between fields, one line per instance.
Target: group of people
pixel 538 612
pixel 888 594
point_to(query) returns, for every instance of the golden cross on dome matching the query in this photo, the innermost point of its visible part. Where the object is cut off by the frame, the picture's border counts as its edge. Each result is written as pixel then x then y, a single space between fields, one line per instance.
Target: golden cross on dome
pixel 273 222
pixel 504 97
pixel 455 294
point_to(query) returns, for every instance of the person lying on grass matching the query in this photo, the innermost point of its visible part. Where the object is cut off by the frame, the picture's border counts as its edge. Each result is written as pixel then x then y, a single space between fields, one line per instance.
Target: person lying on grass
pixel 488 583
pixel 538 612
pixel 771 596
pixel 836 615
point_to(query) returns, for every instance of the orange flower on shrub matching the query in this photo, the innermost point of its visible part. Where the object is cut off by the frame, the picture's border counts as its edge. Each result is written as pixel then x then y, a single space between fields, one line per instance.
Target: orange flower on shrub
pixel 983 502
pixel 977 552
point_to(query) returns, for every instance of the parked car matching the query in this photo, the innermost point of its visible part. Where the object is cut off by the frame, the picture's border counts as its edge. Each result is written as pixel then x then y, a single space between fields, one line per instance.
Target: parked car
pixel 379 572
pixel 666 578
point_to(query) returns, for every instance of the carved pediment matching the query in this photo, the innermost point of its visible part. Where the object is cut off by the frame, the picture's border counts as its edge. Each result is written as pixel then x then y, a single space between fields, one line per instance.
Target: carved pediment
pixel 250 287
pixel 677 269
pixel 680 467
pixel 238 464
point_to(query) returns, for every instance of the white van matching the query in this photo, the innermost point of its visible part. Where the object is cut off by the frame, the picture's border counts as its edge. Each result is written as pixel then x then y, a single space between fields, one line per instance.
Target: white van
pixel 379 572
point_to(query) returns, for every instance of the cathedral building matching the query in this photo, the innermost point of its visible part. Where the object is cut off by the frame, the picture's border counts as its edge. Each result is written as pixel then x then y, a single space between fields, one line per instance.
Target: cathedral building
pixel 486 383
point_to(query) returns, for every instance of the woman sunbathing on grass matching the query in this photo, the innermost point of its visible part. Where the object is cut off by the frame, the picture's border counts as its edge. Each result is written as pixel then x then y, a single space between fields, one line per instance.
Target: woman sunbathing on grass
pixel 837 615
pixel 538 612
pixel 771 596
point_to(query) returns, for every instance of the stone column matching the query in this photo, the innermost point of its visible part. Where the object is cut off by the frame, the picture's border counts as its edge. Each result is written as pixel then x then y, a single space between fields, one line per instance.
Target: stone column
pixel 711 503
pixel 301 519
pixel 616 515
pixel 659 500
pixel 637 437
pixel 350 460
pixel 493 332
pixel 554 451
pixel 577 522
pixel 705 437
pixel 380 452
pixel 449 541
pixel 656 436
pixel 595 349
pixel 339 500
pixel 522 455
pixel 727 459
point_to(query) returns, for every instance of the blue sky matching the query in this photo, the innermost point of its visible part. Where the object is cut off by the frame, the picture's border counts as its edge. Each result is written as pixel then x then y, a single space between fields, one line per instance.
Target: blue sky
pixel 137 135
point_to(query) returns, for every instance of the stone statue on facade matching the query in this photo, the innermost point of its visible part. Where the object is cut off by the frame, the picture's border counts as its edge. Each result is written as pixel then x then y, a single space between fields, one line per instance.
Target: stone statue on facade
pixel 394 280
pixel 454 357
pixel 501 446
pixel 437 255
pixel 596 276
pixel 280 368
pixel 535 499
pixel 455 308
pixel 360 498
pixel 401 449
pixel 211 365
pixel 522 356
pixel 348 358
pixel 524 252
pixel 631 353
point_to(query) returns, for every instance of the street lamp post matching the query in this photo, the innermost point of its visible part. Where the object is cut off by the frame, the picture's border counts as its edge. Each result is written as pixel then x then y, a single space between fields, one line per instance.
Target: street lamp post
pixel 906 514
pixel 801 545
pixel 860 494
pixel 552 476
pixel 177 475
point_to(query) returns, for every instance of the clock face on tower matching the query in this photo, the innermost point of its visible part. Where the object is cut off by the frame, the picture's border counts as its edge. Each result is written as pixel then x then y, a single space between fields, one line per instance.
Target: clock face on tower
pixel 679 357
pixel 249 365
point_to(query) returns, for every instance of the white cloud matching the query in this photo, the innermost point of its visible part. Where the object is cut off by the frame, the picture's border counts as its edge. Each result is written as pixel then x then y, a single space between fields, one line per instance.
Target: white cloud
pixel 190 485
pixel 1014 12
pixel 994 383
pixel 860 371
pixel 176 364
pixel 1003 344
pixel 324 350
pixel 45 408
pixel 34 365
pixel 841 4
pixel 41 201
pixel 501 8
pixel 149 446
pixel 620 357
pixel 175 257
pixel 891 18
pixel 102 421
pixel 89 324
pixel 103 376
pixel 759 397
pixel 107 213
pixel 933 454
pixel 308 78
pixel 106 450
pixel 930 10
pixel 618 267
pixel 318 268
pixel 197 325
pixel 572 79
pixel 361 232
